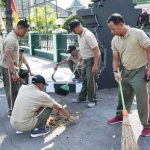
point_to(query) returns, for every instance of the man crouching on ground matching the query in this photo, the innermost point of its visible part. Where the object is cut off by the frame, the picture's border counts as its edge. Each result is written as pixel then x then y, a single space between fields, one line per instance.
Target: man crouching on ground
pixel 33 107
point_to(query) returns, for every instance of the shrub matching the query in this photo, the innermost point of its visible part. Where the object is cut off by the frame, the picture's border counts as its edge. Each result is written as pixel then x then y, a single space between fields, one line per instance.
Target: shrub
pixel 71 17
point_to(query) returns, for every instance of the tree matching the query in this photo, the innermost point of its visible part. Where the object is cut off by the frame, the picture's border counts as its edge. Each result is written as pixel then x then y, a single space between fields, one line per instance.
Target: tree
pixel 71 17
pixel 44 18
pixel 9 24
pixel 7 5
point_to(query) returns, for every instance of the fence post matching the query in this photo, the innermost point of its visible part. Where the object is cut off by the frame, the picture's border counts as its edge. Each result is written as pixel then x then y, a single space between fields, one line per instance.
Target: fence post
pixel 33 41
pixel 59 43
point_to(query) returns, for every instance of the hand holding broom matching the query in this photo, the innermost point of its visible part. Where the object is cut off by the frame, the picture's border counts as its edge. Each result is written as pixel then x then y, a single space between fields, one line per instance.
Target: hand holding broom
pixel 128 139
pixel 117 76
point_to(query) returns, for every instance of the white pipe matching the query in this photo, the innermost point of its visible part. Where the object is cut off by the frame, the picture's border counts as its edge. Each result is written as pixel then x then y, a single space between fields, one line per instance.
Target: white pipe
pixel 31 6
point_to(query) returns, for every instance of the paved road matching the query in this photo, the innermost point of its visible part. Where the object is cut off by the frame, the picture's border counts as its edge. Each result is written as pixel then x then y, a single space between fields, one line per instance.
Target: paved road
pixel 91 133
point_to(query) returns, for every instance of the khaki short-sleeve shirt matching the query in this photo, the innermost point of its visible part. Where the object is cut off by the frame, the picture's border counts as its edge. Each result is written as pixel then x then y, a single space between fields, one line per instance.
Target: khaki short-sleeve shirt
pixel 1 45
pixel 10 42
pixel 87 42
pixel 28 102
pixel 131 48
pixel 77 57
pixel 22 61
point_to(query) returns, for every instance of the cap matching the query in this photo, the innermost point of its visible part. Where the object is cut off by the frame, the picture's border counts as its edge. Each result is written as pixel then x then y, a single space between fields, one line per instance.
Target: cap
pixel 21 50
pixel 74 23
pixel 71 48
pixel 39 79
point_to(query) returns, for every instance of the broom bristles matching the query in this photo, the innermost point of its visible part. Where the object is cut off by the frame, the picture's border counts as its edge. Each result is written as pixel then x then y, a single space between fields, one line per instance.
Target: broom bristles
pixel 62 92
pixel 128 138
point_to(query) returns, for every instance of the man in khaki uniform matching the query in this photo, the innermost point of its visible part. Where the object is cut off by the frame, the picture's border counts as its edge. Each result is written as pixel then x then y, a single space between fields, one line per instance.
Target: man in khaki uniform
pixel 90 54
pixel 132 47
pixel 72 62
pixel 33 107
pixel 1 48
pixel 10 61
pixel 24 73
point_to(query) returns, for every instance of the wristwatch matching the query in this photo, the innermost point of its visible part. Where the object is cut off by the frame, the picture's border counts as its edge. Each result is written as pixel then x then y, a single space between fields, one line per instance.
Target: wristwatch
pixel 14 72
pixel 115 71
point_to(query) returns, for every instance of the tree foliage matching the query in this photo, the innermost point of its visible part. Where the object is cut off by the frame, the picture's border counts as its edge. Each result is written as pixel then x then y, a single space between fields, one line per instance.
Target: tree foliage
pixel 2 3
pixel 71 17
pixel 42 17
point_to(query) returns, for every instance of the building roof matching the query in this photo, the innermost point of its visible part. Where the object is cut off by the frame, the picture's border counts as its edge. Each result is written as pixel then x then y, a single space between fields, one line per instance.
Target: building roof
pixel 76 5
pixel 24 7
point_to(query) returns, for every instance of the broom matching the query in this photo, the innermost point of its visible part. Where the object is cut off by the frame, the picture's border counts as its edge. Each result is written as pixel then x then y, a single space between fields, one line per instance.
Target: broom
pixel 128 139
pixel 64 89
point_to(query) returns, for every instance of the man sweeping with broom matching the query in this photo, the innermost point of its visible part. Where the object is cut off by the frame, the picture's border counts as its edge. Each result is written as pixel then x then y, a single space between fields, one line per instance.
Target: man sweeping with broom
pixel 132 47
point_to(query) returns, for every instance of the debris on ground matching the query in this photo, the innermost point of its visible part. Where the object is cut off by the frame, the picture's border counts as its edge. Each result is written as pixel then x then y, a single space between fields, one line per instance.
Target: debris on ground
pixel 114 136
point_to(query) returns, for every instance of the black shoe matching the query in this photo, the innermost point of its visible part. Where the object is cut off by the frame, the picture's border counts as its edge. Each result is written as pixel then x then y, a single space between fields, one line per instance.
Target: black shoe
pixel 39 132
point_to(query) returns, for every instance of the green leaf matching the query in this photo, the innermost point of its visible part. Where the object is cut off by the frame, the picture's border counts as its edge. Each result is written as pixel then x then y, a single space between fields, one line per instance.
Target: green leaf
pixel 71 17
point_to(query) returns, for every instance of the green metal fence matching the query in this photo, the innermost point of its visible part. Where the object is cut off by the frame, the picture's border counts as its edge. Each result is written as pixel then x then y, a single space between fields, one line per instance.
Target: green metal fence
pixel 141 1
pixel 45 41
pixel 72 39
pixel 24 41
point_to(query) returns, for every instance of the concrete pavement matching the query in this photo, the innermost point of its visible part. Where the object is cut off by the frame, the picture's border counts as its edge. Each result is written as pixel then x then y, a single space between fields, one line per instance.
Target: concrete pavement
pixel 91 133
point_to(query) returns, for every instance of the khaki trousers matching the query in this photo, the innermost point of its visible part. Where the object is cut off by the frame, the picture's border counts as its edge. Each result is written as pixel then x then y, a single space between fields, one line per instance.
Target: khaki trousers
pixel 88 81
pixel 134 84
pixel 11 87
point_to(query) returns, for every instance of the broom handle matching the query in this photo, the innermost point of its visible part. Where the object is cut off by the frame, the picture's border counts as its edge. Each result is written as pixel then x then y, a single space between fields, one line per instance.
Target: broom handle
pixel 121 91
pixel 73 72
